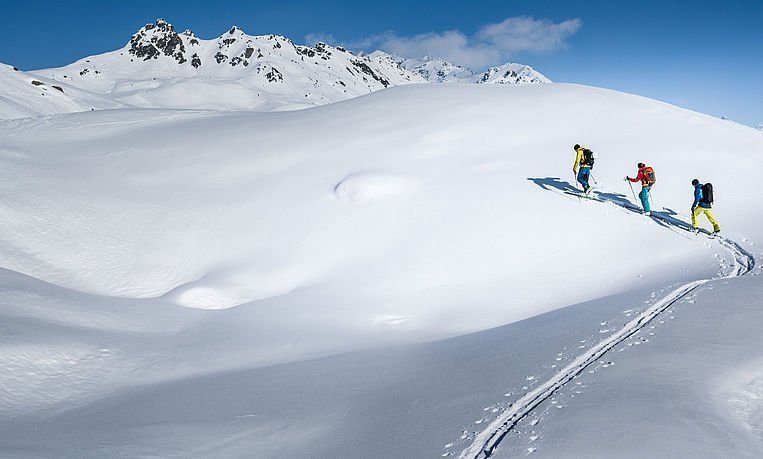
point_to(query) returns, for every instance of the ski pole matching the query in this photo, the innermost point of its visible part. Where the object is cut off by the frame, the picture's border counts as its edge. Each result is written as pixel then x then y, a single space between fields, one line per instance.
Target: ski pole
pixel 594 179
pixel 575 181
pixel 632 192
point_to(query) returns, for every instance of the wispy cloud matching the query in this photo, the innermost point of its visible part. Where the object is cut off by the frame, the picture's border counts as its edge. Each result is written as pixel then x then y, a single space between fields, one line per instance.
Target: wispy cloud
pixel 312 38
pixel 492 44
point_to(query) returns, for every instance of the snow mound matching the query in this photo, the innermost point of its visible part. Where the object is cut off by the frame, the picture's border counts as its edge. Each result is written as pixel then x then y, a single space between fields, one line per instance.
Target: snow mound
pixel 743 393
pixel 363 187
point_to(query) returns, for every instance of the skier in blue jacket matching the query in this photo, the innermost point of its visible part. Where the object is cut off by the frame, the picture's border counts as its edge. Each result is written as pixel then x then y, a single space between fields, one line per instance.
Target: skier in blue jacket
pixel 702 205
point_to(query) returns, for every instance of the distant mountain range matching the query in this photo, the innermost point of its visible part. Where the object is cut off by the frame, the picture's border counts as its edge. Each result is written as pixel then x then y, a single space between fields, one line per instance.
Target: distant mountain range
pixel 161 68
pixel 436 70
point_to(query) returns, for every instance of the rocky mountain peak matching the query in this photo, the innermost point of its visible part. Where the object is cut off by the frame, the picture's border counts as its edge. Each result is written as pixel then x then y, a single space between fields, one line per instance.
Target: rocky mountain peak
pixel 157 39
pixel 235 30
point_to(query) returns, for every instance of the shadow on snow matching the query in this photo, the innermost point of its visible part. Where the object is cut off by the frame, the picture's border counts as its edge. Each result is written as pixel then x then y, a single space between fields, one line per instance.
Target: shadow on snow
pixel 667 217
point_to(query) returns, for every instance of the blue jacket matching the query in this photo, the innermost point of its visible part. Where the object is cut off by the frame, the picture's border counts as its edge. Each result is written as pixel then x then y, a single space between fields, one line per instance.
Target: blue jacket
pixel 698 198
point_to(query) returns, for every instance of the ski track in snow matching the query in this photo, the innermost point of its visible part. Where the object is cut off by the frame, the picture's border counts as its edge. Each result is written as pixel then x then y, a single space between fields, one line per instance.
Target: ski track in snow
pixel 485 442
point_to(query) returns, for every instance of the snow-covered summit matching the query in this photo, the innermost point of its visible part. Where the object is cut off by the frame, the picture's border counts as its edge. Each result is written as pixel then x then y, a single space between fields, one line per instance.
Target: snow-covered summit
pixel 511 73
pixel 438 70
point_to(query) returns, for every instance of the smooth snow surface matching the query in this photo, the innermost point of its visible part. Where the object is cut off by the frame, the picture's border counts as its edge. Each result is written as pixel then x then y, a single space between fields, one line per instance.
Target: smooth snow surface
pixel 187 283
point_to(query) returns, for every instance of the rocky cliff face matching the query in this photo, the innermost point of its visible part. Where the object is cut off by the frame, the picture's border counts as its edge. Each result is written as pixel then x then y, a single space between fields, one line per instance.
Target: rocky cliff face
pixel 154 40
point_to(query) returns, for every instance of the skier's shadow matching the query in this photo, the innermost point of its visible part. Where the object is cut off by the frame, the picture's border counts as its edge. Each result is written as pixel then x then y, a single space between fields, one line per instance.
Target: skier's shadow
pixel 553 182
pixel 667 217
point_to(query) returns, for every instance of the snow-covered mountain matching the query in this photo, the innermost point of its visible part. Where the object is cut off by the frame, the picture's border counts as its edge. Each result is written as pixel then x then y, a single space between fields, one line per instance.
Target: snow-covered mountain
pixel 437 70
pixel 160 68
pixel 511 73
pixel 434 70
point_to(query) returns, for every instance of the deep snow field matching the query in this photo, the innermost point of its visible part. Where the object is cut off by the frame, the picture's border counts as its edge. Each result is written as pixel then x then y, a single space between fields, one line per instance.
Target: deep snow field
pixel 328 282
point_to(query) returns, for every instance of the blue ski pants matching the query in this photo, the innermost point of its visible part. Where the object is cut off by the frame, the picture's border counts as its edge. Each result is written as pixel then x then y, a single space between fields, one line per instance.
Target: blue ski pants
pixel 644 196
pixel 583 174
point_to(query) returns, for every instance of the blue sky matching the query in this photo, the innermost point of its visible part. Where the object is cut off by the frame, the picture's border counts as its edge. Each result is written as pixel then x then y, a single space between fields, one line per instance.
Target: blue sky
pixel 702 55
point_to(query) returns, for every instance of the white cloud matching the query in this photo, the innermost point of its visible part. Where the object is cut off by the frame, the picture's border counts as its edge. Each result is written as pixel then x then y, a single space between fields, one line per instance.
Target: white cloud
pixel 493 44
pixel 527 34
pixel 312 38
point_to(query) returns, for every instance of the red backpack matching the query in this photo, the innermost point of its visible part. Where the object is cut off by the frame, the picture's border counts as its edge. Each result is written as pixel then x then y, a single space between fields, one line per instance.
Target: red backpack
pixel 649 177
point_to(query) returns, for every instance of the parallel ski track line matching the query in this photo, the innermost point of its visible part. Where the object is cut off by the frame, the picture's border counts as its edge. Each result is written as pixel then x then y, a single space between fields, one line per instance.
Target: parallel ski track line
pixel 485 443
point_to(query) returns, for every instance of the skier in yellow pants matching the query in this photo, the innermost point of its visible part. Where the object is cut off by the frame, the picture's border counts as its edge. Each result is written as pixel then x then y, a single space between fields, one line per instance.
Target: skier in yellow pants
pixel 703 202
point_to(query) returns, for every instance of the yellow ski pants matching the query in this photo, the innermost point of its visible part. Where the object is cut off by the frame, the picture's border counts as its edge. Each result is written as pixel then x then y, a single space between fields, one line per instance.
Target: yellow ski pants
pixel 709 213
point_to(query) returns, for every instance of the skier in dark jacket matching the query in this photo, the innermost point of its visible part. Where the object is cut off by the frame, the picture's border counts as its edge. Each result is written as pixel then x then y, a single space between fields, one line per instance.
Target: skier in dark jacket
pixel 702 205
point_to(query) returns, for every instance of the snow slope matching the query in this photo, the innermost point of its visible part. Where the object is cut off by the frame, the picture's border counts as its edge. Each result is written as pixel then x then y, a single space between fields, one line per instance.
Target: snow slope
pixel 169 247
pixel 23 94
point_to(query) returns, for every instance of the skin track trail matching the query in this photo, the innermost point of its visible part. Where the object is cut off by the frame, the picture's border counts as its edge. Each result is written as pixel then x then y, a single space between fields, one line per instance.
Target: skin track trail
pixel 485 442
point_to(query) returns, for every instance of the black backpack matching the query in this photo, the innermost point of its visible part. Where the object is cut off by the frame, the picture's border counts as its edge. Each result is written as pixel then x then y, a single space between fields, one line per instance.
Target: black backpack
pixel 588 158
pixel 707 193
